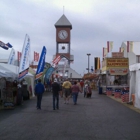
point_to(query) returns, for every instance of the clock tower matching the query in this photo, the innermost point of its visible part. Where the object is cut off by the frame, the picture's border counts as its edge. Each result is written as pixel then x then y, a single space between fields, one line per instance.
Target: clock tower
pixel 63 48
pixel 63 38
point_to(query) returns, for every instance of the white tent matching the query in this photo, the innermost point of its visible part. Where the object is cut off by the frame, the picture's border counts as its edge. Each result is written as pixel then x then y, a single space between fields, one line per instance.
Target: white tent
pixel 7 70
pixel 134 83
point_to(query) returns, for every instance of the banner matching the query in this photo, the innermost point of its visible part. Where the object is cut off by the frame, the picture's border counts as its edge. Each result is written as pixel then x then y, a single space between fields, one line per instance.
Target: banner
pixel 56 60
pixel 11 57
pixel 41 64
pixel 24 63
pixel 129 46
pixel 104 52
pixel 46 67
pixel 109 46
pixel 36 56
pixel 19 56
pixel 117 63
pixel 49 73
pixel 5 46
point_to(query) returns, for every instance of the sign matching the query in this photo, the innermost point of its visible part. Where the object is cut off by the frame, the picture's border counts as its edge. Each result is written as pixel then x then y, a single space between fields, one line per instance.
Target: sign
pixel 117 62
pixel 117 54
pixel 120 71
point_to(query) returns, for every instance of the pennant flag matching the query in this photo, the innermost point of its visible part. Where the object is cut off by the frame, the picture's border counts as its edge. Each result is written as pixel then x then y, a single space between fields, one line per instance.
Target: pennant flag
pixel 11 57
pixel 5 46
pixel 109 46
pixel 24 63
pixel 129 46
pixel 41 64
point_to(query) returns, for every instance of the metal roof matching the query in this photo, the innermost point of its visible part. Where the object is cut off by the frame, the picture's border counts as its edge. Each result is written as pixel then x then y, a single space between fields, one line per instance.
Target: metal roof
pixel 63 21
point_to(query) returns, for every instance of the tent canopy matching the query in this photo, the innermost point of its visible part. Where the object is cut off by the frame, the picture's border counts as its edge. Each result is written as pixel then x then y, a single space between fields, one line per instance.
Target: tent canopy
pixel 134 67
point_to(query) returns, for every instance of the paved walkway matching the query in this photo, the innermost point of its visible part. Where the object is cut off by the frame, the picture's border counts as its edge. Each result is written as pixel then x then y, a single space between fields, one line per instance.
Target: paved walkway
pixel 98 118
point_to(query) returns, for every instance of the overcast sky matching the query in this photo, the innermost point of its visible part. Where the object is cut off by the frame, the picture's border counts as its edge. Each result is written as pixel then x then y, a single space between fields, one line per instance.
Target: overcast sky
pixel 94 23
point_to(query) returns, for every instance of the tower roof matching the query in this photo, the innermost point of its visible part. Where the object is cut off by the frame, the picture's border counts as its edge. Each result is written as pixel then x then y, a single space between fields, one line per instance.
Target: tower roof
pixel 63 21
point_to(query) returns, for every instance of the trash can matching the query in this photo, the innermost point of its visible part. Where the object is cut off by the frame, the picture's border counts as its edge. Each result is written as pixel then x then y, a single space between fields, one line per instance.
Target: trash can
pixel 100 90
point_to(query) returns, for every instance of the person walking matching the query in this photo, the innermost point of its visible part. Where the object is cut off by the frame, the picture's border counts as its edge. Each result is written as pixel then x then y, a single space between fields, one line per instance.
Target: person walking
pixel 55 89
pixel 19 94
pixel 82 85
pixel 39 90
pixel 75 90
pixel 67 90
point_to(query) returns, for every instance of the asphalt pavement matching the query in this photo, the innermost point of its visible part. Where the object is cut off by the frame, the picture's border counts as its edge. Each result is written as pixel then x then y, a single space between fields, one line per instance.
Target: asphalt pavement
pixel 95 118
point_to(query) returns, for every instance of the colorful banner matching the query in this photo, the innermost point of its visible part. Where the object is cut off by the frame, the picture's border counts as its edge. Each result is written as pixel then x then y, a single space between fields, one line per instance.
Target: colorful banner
pixel 5 46
pixel 11 57
pixel 49 73
pixel 46 67
pixel 24 63
pixel 41 64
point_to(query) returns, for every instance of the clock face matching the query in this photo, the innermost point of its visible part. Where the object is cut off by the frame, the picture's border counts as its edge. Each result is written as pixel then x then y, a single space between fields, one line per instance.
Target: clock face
pixel 63 48
pixel 62 34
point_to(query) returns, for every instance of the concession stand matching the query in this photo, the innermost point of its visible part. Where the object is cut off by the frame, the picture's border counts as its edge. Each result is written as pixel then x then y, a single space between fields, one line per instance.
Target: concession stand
pixel 114 75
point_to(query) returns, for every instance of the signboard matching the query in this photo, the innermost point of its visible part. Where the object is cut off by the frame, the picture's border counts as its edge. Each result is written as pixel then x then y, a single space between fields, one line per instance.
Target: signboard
pixel 119 71
pixel 117 62
pixel 117 55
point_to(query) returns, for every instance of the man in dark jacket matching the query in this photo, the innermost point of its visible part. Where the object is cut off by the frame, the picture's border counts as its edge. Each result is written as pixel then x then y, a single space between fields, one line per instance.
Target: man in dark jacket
pixel 39 90
pixel 55 90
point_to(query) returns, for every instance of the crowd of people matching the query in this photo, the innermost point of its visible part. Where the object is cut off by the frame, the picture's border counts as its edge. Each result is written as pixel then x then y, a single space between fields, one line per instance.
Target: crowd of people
pixel 65 89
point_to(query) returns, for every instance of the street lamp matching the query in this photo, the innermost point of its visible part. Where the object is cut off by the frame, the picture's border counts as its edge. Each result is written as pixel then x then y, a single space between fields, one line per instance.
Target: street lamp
pixel 88 61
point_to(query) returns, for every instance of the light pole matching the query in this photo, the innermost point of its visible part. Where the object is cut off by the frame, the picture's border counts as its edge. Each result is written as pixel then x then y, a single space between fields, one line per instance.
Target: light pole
pixel 88 54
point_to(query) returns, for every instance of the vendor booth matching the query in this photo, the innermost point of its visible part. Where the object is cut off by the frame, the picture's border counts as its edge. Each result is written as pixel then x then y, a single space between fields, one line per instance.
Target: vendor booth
pixel 114 75
pixel 9 81
pixel 134 94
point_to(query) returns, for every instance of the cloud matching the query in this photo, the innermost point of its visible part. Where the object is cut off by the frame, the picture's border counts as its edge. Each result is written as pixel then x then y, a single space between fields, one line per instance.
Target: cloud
pixel 94 23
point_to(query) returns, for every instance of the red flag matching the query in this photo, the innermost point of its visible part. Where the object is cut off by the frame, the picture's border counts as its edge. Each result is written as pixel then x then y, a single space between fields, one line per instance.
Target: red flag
pixel 19 55
pixel 56 59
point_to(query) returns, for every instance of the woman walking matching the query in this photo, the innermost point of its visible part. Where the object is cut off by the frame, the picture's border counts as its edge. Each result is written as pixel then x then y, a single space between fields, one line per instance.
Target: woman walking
pixel 75 90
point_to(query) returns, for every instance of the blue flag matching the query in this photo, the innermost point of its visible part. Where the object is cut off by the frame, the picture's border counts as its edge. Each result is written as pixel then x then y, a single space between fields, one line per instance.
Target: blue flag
pixel 5 46
pixel 41 64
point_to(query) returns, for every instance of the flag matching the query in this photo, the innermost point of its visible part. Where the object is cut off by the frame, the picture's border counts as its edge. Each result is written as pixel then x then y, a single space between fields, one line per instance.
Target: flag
pixel 11 57
pixel 41 64
pixel 9 45
pixel 98 63
pixel 121 49
pixel 104 52
pixel 24 62
pixel 36 56
pixel 5 46
pixel 109 46
pixel 19 56
pixel 56 61
pixel 129 46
